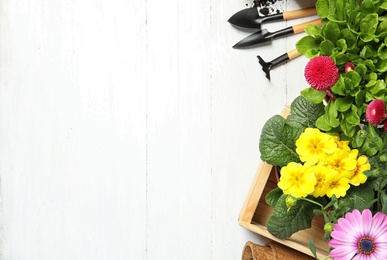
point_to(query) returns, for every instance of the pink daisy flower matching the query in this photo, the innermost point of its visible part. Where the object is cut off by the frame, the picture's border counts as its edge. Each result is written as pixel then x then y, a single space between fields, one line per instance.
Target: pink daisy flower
pixel 321 73
pixel 375 111
pixel 360 236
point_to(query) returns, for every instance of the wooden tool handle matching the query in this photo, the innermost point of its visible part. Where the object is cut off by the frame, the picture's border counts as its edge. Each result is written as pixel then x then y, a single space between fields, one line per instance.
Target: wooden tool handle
pixel 293 54
pixel 299 13
pixel 300 27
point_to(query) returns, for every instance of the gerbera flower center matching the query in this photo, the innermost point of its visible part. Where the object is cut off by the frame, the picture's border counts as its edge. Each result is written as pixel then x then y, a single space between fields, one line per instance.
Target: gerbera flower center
pixel 366 245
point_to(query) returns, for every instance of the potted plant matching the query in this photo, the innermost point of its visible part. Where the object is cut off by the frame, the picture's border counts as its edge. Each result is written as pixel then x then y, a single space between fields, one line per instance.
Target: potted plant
pixel 331 151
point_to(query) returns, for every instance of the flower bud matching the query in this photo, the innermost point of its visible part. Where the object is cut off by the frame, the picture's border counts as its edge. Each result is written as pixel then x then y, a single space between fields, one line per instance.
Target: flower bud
pixel 348 67
pixel 290 201
pixel 375 112
pixel 328 227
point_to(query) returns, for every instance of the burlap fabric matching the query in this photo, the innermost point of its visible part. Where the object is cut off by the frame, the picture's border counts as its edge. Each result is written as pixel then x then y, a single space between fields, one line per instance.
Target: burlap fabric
pixel 272 251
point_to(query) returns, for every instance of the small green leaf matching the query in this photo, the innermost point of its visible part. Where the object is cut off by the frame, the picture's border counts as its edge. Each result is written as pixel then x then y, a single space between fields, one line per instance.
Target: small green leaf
pixel 313 30
pixel 322 124
pixel 312 248
pixel 383 199
pixel 313 95
pixel 307 45
pixel 383 66
pixel 331 31
pixel 368 26
pixel 349 37
pixel 322 7
pixel 343 104
pixel 331 115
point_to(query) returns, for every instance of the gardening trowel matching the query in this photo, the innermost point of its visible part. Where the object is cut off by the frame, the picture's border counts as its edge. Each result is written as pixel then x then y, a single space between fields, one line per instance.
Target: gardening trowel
pixel 264 35
pixel 267 66
pixel 250 18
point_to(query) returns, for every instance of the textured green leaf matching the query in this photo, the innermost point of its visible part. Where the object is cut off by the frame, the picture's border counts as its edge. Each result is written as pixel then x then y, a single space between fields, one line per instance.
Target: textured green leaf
pixel 273 196
pixel 277 143
pixel 304 112
pixel 359 196
pixel 283 222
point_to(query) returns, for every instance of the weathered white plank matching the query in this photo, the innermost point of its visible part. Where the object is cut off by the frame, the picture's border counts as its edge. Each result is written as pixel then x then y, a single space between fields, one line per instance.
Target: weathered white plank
pixel 295 80
pixel 130 129
pixel 179 131
pixel 163 183
pixel 242 100
pixel 72 120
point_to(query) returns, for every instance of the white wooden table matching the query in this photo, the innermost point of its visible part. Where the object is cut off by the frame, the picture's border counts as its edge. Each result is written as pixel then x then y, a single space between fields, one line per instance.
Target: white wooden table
pixel 130 129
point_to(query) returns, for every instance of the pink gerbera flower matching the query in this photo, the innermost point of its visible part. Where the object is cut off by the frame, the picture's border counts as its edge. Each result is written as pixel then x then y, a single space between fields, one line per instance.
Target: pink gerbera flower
pixel 360 236
pixel 321 73
pixel 375 112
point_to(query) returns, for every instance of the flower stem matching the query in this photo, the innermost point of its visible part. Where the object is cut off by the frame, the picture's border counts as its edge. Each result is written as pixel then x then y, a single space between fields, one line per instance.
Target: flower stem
pixel 329 94
pixel 314 202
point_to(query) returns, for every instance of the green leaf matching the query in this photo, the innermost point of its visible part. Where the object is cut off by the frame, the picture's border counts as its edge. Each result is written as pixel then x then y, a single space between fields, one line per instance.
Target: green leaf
pixel 354 77
pixel 322 124
pixel 382 51
pixel 308 45
pixel 313 95
pixel 368 26
pixel 349 37
pixel 273 196
pixel 326 48
pixel 277 142
pixel 361 196
pixel 283 222
pixel 313 30
pixel 339 87
pixel 361 69
pixel 383 66
pixel 322 7
pixel 368 7
pixel 331 31
pixel 343 104
pixel 383 199
pixel 351 116
pixel 331 115
pixel 304 113
pixel 312 248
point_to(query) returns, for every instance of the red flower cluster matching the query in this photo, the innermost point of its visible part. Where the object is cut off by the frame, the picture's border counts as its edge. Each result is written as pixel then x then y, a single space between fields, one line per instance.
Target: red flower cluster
pixel 321 73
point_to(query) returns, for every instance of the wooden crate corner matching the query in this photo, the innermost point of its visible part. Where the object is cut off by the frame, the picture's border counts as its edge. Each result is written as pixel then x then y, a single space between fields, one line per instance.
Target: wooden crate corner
pixel 255 213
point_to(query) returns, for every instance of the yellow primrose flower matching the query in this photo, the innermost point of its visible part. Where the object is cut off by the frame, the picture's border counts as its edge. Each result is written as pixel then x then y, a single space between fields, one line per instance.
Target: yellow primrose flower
pixel 343 162
pixel 313 145
pixel 336 185
pixel 321 173
pixel 342 145
pixel 362 165
pixel 297 180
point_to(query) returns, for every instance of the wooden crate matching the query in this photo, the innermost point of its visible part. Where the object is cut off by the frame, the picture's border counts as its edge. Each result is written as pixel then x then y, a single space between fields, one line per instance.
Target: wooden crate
pixel 255 213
